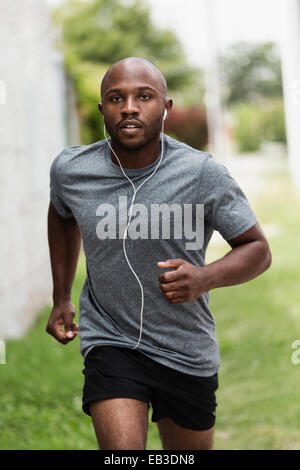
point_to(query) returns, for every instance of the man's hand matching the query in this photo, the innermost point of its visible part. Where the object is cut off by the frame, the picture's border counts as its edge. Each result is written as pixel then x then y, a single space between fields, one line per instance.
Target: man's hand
pixel 250 256
pixel 184 284
pixel 62 316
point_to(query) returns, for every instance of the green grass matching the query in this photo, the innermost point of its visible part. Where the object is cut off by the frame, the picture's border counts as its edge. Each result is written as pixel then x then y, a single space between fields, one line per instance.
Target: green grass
pixel 41 384
pixel 256 325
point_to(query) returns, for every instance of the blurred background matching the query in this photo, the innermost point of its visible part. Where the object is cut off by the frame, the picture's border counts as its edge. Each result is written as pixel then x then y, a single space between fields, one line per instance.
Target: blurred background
pixel 233 71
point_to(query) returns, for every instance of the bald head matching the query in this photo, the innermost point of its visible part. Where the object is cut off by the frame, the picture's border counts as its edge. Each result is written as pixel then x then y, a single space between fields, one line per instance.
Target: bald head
pixel 132 65
pixel 134 89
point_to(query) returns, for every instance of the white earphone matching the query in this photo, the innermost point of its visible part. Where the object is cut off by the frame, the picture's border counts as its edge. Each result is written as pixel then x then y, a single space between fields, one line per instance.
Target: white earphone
pixel 130 211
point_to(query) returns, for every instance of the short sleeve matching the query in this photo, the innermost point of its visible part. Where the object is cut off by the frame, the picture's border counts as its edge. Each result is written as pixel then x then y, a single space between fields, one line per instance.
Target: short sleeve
pixel 229 211
pixel 56 196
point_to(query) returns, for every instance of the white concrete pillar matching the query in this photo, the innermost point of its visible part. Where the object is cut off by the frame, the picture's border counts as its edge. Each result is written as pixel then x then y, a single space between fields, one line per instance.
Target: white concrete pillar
pixel 290 53
pixel 218 140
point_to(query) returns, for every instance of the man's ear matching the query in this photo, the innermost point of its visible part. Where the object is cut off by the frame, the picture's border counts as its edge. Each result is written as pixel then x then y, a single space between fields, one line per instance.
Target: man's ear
pixel 100 107
pixel 169 105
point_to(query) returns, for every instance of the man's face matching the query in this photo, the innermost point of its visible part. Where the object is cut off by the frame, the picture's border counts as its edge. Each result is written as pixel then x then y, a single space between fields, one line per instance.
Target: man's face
pixel 133 93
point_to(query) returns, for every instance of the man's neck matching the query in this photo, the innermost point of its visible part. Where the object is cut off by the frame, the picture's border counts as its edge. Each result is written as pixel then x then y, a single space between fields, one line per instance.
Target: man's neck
pixel 136 158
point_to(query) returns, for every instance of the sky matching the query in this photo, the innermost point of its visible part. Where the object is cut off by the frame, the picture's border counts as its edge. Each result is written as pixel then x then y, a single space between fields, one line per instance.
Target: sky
pixel 235 20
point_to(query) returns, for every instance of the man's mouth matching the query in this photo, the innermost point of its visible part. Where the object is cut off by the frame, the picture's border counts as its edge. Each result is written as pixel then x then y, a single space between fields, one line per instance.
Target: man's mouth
pixel 130 124
pixel 130 129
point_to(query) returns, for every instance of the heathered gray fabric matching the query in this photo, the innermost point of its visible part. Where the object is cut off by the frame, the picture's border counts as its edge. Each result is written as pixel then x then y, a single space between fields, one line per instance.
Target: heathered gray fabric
pixel 181 336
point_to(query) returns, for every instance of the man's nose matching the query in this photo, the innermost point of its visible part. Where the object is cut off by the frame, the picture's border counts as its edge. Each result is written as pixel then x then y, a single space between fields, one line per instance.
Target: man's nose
pixel 130 106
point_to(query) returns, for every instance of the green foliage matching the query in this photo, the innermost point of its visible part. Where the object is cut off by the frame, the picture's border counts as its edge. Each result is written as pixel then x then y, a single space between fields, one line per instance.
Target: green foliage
pixel 246 131
pixel 255 124
pixel 104 31
pixel 87 79
pixel 253 91
pixel 272 122
pixel 251 73
pixel 97 33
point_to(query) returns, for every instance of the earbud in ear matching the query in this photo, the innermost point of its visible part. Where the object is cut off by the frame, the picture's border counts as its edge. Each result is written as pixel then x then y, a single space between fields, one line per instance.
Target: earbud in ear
pixel 165 114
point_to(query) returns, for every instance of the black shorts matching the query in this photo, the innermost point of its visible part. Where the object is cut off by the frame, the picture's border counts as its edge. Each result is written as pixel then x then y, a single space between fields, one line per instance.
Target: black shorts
pixel 115 372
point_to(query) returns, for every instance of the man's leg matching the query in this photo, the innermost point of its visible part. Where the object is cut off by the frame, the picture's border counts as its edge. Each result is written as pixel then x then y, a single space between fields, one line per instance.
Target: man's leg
pixel 175 437
pixel 120 423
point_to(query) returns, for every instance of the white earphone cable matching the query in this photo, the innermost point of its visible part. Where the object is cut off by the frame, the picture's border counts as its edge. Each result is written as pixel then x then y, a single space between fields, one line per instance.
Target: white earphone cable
pixel 125 232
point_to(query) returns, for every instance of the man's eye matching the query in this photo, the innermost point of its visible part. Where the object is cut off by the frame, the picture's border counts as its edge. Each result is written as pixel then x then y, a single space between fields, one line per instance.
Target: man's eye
pixel 115 98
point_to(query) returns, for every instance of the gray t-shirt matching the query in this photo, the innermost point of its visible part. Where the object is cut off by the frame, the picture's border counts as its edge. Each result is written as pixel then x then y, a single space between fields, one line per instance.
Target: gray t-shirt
pixel 174 215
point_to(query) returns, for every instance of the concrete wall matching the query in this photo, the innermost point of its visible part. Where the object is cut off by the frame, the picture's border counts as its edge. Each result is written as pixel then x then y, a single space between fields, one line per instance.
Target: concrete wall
pixel 32 132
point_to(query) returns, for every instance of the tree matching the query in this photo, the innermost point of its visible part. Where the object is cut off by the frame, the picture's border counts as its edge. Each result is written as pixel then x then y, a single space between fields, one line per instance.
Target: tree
pixel 97 33
pixel 251 73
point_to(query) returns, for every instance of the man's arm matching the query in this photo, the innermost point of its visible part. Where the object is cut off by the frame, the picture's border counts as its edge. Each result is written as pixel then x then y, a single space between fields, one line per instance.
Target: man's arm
pixel 249 257
pixel 64 240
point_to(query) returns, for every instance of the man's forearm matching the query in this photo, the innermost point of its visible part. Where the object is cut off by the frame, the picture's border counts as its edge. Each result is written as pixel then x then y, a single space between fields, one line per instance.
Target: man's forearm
pixel 241 264
pixel 64 239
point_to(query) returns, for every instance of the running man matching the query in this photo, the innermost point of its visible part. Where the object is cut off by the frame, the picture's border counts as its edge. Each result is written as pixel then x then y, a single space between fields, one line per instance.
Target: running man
pixel 156 344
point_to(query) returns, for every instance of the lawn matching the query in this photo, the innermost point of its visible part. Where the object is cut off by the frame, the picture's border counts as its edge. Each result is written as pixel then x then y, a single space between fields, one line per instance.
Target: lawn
pixel 41 384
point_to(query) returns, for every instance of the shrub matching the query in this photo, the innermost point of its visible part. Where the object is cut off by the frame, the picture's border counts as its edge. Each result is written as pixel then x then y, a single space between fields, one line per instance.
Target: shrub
pixel 257 123
pixel 188 125
pixel 246 128
pixel 272 122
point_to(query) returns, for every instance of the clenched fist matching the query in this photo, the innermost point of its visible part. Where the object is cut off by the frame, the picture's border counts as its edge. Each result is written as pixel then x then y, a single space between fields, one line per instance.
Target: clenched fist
pixel 62 316
pixel 185 283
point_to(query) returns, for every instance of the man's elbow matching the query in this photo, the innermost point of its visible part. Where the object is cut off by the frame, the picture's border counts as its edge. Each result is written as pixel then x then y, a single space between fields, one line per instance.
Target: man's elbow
pixel 267 257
